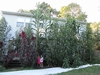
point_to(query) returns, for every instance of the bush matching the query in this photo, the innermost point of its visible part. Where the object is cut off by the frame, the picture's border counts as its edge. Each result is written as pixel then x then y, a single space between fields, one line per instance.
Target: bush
pixel 77 61
pixel 65 63
pixel 2 68
pixel 97 58
pixel 26 49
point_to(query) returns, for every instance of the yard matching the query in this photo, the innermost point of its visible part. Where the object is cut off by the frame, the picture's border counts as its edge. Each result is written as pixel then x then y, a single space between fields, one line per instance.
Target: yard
pixel 94 70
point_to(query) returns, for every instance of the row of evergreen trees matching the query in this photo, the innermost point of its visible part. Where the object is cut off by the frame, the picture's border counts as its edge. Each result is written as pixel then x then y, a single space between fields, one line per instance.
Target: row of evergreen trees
pixel 65 46
pixel 61 44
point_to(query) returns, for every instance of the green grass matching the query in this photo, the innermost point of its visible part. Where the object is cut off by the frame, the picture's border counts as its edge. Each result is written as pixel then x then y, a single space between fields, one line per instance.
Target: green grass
pixel 20 68
pixel 94 70
pixel 16 69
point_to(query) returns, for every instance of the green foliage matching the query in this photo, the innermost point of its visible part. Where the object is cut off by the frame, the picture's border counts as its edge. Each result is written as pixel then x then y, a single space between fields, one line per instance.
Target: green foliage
pixel 4 29
pixel 60 43
pixel 96 30
pixel 97 60
pixel 2 68
pixel 63 46
pixel 88 38
pixel 28 30
pixel 65 63
pixel 73 10
pixel 3 25
pixel 73 44
pixel 42 16
pixel 45 10
pixel 78 61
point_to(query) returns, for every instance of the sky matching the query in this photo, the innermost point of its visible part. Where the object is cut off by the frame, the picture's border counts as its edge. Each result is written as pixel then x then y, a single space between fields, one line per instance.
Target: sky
pixel 90 7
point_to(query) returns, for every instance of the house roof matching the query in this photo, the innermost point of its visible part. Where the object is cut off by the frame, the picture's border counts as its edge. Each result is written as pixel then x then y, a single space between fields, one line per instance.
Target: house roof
pixel 30 15
pixel 64 20
pixel 17 13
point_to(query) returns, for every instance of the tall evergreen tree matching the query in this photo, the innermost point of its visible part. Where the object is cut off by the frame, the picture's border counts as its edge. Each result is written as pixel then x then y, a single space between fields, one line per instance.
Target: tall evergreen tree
pixel 4 29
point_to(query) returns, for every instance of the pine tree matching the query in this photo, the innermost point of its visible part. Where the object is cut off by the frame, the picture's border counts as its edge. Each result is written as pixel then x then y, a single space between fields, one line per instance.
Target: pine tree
pixel 4 29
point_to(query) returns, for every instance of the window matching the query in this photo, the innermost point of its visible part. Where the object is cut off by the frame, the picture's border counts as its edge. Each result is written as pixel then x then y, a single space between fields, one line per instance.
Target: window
pixel 19 24
pixel 28 24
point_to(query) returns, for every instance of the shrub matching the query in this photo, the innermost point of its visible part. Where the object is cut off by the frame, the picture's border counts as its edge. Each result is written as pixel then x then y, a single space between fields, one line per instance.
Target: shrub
pixel 26 50
pixel 77 61
pixel 65 63
pixel 2 68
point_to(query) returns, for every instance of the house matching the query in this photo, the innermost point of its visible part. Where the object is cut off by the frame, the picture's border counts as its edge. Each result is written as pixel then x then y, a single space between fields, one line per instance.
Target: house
pixel 17 20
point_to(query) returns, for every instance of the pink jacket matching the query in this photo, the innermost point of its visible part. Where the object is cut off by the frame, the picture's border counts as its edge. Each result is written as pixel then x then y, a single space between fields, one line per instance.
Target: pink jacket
pixel 38 60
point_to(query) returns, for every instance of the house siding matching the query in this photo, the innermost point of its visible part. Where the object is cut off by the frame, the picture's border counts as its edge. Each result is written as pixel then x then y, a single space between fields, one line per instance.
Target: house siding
pixel 12 21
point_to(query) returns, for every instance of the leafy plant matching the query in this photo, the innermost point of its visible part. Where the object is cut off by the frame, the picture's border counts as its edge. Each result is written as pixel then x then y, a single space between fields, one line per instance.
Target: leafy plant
pixel 2 68
pixel 61 39
pixel 4 29
pixel 88 45
pixel 26 47
pixel 27 50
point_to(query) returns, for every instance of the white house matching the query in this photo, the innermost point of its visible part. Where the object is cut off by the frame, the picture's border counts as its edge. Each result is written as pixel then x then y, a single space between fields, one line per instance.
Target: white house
pixel 17 20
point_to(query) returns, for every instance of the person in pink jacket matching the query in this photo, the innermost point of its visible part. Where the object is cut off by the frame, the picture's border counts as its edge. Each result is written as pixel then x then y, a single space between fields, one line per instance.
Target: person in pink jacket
pixel 38 60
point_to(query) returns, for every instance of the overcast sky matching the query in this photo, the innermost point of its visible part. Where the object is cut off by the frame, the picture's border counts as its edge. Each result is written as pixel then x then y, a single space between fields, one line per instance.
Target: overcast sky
pixel 91 7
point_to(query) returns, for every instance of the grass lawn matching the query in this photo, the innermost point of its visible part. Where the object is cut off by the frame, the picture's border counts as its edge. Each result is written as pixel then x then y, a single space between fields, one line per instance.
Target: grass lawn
pixel 94 70
pixel 16 69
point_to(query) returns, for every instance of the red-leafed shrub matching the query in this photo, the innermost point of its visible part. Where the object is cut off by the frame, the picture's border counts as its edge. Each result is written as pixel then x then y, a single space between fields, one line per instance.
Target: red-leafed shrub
pixel 27 50
pixel 32 38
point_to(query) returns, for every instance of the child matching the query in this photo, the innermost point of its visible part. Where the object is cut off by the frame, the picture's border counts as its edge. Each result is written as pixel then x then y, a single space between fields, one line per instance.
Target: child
pixel 38 61
pixel 41 61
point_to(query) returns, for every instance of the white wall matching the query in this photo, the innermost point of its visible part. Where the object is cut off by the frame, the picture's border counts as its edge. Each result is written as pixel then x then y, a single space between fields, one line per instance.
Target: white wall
pixel 12 21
